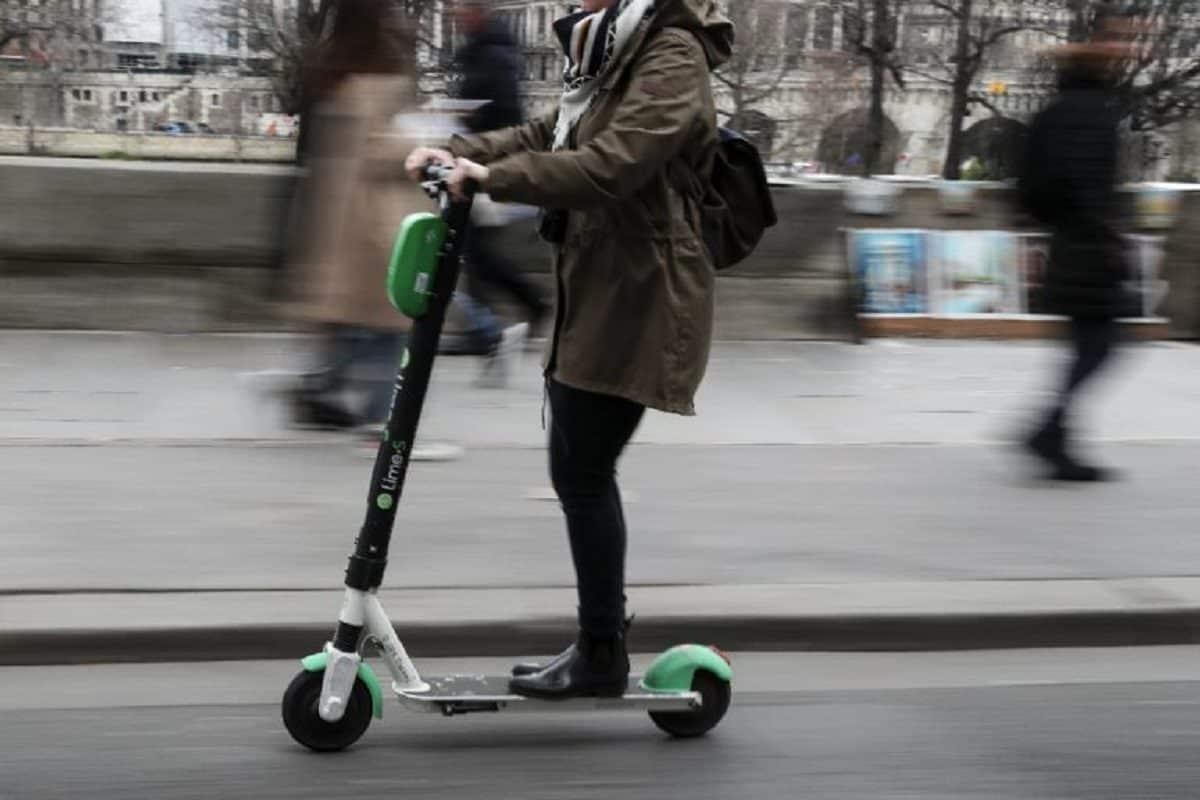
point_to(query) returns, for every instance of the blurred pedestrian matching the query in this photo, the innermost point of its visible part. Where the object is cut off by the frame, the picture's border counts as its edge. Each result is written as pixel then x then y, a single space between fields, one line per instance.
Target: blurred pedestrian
pixel 634 278
pixel 1069 183
pixel 489 70
pixel 352 202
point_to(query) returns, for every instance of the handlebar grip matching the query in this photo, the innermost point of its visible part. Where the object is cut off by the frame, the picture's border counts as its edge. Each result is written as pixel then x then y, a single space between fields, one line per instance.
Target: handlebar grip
pixel 437 173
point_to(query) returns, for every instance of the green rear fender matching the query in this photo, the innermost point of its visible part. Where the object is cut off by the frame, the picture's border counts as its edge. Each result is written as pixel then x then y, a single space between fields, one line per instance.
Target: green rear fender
pixel 673 670
pixel 316 663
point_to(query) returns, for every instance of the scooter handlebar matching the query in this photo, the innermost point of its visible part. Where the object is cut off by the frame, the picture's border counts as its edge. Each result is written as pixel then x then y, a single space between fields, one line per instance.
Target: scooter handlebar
pixel 436 175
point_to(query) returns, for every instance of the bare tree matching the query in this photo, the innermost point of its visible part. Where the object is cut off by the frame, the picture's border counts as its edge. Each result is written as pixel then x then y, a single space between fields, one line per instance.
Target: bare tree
pixel 1160 85
pixel 871 30
pixel 835 77
pixel 764 56
pixel 1157 88
pixel 281 38
pixel 978 28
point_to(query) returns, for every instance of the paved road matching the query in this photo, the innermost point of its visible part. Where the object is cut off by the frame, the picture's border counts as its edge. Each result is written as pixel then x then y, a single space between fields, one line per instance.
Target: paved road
pixel 1087 725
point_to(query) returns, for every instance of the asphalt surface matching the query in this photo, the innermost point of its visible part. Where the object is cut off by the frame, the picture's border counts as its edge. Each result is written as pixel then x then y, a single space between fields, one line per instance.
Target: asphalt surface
pixel 1109 724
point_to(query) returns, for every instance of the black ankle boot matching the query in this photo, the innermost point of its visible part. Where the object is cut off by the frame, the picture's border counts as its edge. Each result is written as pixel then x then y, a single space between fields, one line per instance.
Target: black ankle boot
pixel 1070 470
pixel 1048 443
pixel 310 410
pixel 592 667
pixel 529 668
pixel 1051 445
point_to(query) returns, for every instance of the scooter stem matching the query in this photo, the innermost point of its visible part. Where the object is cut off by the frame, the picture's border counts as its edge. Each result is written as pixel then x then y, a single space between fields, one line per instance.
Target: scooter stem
pixel 366 566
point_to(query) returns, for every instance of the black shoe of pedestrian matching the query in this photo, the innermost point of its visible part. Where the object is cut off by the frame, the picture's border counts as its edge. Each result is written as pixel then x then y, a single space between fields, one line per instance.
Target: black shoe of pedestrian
pixel 310 411
pixel 1072 471
pixel 1048 444
pixel 594 667
pixel 529 668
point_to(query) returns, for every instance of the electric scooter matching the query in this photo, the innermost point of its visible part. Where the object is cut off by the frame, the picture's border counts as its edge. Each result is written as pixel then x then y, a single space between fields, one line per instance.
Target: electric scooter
pixel 330 703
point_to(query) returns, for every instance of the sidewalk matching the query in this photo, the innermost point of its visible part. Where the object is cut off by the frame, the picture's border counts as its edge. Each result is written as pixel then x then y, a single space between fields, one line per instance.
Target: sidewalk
pixel 154 508
pixel 88 388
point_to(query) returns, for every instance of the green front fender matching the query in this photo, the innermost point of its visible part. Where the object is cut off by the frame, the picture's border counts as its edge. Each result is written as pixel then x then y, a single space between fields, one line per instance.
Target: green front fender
pixel 316 663
pixel 673 670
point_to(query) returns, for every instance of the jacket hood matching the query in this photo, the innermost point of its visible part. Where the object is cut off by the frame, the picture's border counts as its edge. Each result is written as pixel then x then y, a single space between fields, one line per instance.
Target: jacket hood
pixel 705 20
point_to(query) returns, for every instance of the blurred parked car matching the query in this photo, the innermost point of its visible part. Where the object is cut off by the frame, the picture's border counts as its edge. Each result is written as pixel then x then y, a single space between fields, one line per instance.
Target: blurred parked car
pixel 181 128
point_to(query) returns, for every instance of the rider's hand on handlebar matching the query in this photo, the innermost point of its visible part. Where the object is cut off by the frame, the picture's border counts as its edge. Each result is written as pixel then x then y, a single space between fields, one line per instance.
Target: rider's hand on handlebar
pixel 418 159
pixel 466 170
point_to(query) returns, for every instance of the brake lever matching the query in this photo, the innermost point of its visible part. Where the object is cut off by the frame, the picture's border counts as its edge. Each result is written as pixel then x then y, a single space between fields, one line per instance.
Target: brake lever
pixel 435 179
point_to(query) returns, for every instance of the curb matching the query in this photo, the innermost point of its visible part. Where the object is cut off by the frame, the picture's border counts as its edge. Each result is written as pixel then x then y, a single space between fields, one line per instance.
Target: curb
pixel 865 633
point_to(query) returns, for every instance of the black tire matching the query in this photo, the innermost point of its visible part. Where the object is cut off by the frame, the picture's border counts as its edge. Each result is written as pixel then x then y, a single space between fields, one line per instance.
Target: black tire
pixel 715 693
pixel 303 720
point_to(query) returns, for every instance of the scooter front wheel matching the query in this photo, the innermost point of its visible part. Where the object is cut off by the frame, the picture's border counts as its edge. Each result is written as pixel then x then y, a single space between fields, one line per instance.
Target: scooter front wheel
pixel 302 717
pixel 715 697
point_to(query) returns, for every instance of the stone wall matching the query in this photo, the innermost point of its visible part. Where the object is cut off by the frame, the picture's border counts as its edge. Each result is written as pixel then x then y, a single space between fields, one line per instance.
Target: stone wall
pixel 167 246
pixel 1183 271
pixel 72 143
pixel 67 211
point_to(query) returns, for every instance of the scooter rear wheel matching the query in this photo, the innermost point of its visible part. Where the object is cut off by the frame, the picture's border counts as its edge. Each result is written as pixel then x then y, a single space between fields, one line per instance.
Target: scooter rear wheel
pixel 302 717
pixel 715 695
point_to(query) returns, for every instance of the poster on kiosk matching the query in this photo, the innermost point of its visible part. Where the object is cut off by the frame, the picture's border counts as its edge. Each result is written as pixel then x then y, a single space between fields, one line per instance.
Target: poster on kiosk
pixel 889 266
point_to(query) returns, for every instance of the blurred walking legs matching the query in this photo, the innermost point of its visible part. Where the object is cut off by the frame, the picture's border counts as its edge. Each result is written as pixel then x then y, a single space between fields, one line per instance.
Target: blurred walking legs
pixel 1092 342
pixel 487 265
pixel 353 361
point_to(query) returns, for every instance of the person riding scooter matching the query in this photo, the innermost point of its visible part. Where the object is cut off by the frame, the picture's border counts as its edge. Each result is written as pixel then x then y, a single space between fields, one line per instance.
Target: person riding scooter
pixel 635 282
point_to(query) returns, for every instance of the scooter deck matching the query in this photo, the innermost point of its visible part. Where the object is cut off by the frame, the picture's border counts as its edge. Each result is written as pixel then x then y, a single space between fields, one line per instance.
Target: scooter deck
pixel 466 694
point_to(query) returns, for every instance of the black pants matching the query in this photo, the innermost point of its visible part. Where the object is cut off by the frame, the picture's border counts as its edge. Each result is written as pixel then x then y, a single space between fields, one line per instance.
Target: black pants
pixel 588 432
pixel 1093 341
pixel 489 267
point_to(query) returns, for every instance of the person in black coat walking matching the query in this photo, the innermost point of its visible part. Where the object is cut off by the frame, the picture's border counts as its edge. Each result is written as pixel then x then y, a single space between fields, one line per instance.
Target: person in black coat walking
pixel 1069 183
pixel 489 67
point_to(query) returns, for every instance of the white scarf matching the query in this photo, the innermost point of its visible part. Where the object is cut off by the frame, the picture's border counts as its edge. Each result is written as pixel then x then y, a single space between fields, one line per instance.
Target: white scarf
pixel 593 44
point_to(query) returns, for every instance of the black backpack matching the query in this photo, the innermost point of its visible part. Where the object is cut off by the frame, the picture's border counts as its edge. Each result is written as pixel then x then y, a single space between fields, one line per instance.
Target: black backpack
pixel 735 206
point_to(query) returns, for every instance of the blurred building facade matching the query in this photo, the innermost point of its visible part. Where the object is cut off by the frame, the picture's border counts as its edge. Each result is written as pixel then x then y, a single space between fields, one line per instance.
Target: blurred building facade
pixel 137 64
pixel 144 62
pixel 814 89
